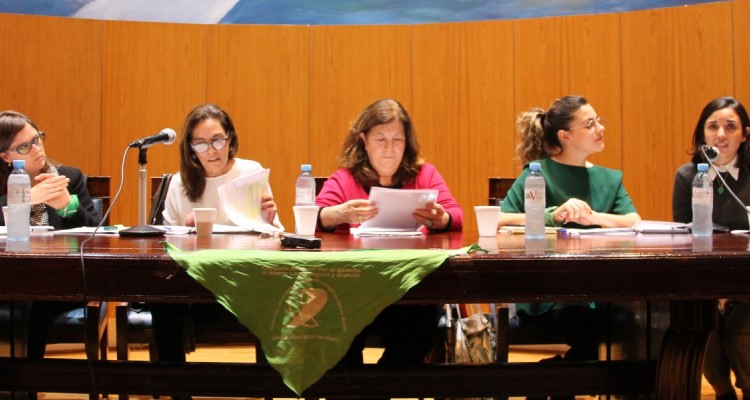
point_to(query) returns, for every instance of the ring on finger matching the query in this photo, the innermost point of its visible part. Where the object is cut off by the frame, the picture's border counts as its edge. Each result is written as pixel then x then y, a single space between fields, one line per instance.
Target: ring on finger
pixel 428 223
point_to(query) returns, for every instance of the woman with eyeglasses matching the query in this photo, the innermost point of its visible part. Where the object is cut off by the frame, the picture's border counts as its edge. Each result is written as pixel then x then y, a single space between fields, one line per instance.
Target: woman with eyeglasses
pixel 59 198
pixel 725 125
pixel 578 194
pixel 208 148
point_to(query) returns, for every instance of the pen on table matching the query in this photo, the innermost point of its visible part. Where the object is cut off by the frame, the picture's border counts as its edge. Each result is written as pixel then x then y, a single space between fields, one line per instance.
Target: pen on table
pixel 562 232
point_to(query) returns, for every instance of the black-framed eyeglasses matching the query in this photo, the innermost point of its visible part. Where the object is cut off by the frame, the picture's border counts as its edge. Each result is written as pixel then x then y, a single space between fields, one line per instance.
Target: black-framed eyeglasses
pixel 217 144
pixel 590 123
pixel 25 148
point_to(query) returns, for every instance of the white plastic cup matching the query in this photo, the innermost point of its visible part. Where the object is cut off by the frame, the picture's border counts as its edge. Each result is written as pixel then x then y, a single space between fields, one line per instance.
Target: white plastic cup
pixel 5 215
pixel 204 220
pixel 487 219
pixel 305 218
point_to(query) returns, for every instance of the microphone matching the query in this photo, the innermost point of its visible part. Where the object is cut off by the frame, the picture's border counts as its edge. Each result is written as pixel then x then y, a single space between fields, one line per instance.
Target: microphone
pixel 710 152
pixel 166 136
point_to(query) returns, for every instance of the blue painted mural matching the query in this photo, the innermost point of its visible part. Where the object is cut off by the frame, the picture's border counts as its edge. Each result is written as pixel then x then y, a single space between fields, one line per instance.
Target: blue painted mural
pixel 325 12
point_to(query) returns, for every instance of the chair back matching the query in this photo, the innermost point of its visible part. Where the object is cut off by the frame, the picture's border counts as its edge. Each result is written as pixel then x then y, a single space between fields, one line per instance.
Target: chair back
pixel 498 189
pixel 159 187
pixel 319 182
pixel 98 187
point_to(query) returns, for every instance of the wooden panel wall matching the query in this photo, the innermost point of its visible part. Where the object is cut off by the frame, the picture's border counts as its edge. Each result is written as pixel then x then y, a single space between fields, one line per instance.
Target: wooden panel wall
pixel 350 67
pixel 51 71
pixel 153 74
pixel 674 61
pixel 259 75
pixel 463 104
pixel 741 15
pixel 293 91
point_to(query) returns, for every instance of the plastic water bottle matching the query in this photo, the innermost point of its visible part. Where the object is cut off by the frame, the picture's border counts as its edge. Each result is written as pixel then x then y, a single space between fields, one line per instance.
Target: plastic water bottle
pixel 703 202
pixel 534 202
pixel 305 193
pixel 19 203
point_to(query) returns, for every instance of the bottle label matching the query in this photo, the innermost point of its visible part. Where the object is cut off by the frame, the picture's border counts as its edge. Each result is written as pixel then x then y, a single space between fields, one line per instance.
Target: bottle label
pixel 305 196
pixel 703 196
pixel 19 196
pixel 533 196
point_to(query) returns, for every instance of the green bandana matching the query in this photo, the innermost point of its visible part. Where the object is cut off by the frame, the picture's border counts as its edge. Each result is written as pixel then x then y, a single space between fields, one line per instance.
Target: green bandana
pixel 307 307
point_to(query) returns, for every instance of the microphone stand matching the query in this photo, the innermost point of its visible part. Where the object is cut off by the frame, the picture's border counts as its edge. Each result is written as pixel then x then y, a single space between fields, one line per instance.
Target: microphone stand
pixel 142 229
pixel 724 182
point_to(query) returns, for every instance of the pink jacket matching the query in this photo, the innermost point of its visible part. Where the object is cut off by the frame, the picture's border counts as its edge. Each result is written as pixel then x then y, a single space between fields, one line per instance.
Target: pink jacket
pixel 341 187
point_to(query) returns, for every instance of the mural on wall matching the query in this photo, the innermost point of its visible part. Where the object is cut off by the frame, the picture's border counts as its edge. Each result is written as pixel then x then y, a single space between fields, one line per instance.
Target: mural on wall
pixel 325 12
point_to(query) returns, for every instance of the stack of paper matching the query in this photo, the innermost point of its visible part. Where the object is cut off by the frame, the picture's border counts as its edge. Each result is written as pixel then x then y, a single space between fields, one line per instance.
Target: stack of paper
pixel 241 200
pixel 395 209
pixel 661 227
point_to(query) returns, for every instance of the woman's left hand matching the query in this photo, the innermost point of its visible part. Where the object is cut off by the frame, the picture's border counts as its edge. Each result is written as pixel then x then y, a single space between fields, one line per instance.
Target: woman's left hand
pixel 268 208
pixel 433 216
pixel 51 190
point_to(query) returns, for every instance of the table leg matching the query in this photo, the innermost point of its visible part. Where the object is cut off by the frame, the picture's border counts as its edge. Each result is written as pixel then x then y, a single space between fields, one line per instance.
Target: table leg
pixel 681 362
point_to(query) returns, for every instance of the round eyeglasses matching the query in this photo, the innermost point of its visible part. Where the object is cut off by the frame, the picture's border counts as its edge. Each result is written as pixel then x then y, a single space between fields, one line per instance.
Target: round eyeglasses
pixel 25 148
pixel 590 123
pixel 217 144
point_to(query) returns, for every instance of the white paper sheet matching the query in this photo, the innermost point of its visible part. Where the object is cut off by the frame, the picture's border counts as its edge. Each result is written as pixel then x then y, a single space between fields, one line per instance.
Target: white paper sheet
pixel 661 227
pixel 35 230
pixel 395 209
pixel 241 199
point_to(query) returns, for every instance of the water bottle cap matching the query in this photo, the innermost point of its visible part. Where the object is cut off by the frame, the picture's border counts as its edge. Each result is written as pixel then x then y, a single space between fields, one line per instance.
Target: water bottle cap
pixel 535 166
pixel 703 167
pixel 19 164
pixel 306 167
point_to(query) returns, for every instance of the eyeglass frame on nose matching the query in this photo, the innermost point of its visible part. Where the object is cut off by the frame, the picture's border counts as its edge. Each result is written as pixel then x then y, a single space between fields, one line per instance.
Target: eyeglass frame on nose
pixel 591 123
pixel 216 144
pixel 38 141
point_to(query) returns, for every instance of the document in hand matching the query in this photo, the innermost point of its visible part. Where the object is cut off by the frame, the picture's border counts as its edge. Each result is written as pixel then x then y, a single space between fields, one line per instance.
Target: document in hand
pixel 395 209
pixel 240 199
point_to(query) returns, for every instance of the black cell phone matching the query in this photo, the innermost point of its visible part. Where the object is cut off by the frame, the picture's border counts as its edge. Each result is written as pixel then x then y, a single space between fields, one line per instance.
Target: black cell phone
pixel 295 241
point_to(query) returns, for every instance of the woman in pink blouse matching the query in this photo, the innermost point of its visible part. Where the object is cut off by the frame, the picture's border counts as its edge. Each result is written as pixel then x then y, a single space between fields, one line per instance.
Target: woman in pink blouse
pixel 381 149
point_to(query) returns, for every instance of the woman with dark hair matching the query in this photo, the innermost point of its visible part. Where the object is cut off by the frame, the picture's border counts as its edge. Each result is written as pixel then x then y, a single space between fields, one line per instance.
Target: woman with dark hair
pixel 208 148
pixel 579 194
pixel 59 198
pixel 381 149
pixel 561 139
pixel 724 125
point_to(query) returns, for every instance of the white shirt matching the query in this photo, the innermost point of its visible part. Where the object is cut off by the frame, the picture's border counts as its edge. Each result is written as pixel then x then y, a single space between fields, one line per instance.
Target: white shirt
pixel 177 205
pixel 730 167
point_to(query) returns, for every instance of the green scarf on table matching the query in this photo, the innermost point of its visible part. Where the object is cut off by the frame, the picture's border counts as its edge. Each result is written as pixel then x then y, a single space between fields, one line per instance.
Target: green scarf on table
pixel 306 307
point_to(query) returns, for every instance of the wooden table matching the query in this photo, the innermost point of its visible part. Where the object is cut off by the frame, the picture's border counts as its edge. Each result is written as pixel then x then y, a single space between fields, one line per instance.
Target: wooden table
pixel 688 273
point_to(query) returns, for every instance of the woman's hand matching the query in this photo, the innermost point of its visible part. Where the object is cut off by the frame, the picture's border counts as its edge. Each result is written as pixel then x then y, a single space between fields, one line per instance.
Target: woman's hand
pixel 353 212
pixel 268 208
pixel 51 190
pixel 190 219
pixel 573 210
pixel 433 216
pixel 578 211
